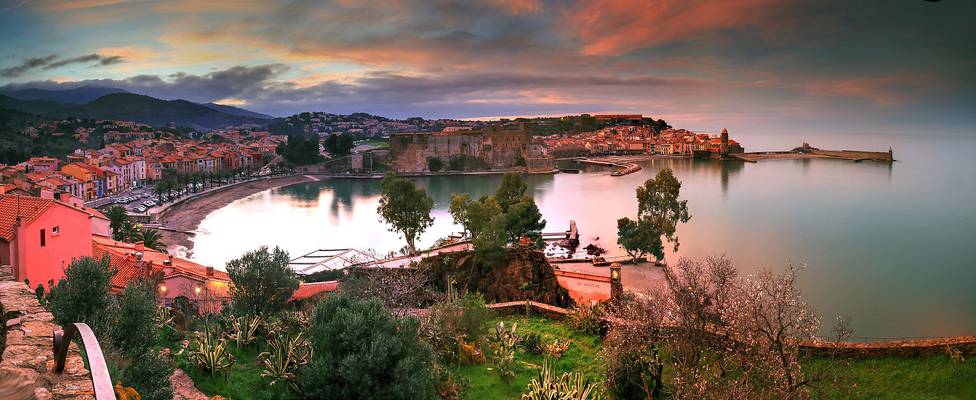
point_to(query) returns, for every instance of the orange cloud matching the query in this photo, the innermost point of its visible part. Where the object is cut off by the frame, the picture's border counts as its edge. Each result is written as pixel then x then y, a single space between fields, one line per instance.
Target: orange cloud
pixel 611 27
pixel 518 7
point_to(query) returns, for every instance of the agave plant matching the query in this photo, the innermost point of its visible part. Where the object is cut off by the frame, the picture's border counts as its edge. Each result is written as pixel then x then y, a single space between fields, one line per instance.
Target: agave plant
pixel 210 352
pixel 164 317
pixel 244 329
pixel 286 356
pixel 568 386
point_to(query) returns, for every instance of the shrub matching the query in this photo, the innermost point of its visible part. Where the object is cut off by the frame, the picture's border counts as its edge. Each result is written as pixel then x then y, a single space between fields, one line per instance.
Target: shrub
pixel 83 295
pixel 568 386
pixel 363 352
pixel 135 320
pixel 587 319
pixel 555 348
pixel 532 343
pixel 454 327
pixel 149 375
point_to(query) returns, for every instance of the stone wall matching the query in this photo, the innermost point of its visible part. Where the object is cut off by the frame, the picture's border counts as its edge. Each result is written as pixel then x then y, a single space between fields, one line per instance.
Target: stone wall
pixel 28 355
pixel 965 345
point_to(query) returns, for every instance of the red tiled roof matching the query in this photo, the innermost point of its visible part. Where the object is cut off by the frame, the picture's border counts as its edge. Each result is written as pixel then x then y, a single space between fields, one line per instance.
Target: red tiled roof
pixel 29 208
pixel 306 290
pixel 181 266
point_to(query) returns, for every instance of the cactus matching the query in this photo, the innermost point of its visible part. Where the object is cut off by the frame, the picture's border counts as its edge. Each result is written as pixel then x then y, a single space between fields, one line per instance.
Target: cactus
pixel 503 350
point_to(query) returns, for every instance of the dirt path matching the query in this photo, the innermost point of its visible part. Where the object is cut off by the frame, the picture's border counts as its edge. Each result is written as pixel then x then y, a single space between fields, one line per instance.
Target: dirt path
pixel 187 215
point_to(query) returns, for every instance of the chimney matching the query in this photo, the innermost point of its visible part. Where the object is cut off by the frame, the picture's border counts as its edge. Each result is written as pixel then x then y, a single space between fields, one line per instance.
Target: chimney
pixel 210 271
pixel 138 256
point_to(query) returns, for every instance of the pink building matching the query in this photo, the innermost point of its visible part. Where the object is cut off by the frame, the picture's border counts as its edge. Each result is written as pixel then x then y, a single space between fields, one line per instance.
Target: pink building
pixel 40 237
pixel 205 286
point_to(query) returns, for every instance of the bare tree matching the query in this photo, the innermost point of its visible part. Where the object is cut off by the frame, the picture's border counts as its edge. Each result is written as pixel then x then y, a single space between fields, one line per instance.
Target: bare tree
pixel 400 289
pixel 726 337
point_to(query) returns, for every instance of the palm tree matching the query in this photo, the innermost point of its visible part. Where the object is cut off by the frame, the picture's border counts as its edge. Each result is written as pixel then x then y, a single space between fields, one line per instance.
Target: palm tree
pixel 152 239
pixel 118 219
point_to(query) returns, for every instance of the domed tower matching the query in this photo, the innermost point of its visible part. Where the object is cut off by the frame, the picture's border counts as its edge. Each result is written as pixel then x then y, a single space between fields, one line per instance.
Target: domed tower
pixel 725 142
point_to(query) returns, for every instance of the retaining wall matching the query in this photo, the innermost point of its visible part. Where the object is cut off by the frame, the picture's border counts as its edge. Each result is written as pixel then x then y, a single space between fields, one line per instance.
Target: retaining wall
pixel 28 355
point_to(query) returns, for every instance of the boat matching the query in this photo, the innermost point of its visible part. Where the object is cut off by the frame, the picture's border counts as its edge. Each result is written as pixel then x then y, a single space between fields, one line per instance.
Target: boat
pixel 569 170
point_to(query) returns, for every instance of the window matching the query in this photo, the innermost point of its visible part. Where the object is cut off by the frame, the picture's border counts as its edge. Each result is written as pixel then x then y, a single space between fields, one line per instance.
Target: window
pixel 55 231
pixel 43 238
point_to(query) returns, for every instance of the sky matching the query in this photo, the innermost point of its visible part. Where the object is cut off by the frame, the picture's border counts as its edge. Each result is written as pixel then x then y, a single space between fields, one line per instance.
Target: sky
pixel 749 65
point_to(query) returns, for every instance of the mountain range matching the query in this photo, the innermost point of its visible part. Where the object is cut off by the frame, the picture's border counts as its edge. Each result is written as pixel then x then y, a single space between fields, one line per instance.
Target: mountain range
pixel 118 104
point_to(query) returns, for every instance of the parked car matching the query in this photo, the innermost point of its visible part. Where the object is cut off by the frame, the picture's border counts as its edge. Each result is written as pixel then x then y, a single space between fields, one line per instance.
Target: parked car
pixel 141 209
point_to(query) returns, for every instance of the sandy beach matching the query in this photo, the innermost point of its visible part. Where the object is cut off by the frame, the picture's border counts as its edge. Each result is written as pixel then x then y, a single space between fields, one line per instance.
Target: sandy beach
pixel 186 216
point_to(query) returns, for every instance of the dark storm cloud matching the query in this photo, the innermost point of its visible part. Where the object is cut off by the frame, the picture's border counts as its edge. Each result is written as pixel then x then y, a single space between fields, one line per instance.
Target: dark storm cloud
pixel 53 62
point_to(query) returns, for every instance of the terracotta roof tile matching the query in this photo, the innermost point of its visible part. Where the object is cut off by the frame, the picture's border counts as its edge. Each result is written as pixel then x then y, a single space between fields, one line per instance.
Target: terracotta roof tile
pixel 29 208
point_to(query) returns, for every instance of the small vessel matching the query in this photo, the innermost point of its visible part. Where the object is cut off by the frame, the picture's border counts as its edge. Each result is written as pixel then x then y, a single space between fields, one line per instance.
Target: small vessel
pixel 569 170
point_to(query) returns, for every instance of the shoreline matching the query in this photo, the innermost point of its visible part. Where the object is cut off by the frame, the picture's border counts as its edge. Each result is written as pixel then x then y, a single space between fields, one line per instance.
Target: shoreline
pixel 187 215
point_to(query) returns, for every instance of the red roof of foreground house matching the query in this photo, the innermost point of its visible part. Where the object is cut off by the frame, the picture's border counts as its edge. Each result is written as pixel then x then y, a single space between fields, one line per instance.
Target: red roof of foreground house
pixel 306 290
pixel 122 257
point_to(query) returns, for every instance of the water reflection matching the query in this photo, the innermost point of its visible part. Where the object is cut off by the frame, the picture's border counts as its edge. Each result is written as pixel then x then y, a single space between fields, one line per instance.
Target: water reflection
pixel 869 236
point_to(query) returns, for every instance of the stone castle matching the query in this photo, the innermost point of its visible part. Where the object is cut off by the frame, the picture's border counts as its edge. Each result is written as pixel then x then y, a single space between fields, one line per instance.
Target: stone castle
pixel 491 148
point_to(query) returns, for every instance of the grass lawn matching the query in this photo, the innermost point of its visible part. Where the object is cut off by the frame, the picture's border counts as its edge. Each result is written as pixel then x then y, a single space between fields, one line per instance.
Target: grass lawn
pixel 933 377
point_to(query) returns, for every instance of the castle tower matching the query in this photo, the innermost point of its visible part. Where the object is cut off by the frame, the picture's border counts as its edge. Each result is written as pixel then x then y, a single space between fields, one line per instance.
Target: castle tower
pixel 725 142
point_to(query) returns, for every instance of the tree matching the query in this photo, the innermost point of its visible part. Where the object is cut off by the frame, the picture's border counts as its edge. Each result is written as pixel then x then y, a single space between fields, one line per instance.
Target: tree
pixel 135 320
pixel 524 219
pixel 339 144
pixel 658 203
pixel 262 281
pixel 118 221
pixel 83 294
pixel 459 210
pixel 152 239
pixel 638 238
pixel 363 352
pixel 405 208
pixel 435 164
pixel 510 191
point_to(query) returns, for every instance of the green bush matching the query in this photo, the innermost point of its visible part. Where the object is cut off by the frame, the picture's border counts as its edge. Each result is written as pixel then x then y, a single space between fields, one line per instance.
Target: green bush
pixel 149 375
pixel 455 325
pixel 83 295
pixel 363 352
pixel 135 322
pixel 262 281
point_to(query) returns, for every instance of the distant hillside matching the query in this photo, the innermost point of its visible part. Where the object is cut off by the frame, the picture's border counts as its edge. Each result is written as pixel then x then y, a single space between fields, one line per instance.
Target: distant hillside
pixel 82 95
pixel 39 107
pixel 240 112
pixel 135 107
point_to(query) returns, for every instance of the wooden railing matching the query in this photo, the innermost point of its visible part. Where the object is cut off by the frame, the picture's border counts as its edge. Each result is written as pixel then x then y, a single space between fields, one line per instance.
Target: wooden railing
pixel 101 380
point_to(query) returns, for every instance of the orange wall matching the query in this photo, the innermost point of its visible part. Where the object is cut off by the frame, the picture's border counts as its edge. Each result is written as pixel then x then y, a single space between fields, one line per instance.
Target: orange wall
pixel 43 264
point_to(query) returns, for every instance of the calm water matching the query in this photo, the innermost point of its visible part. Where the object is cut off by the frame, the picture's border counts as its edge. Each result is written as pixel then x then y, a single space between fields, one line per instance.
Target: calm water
pixel 891 246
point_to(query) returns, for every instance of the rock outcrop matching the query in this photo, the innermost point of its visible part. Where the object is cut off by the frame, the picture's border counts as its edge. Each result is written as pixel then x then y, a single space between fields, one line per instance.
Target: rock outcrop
pixel 525 276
